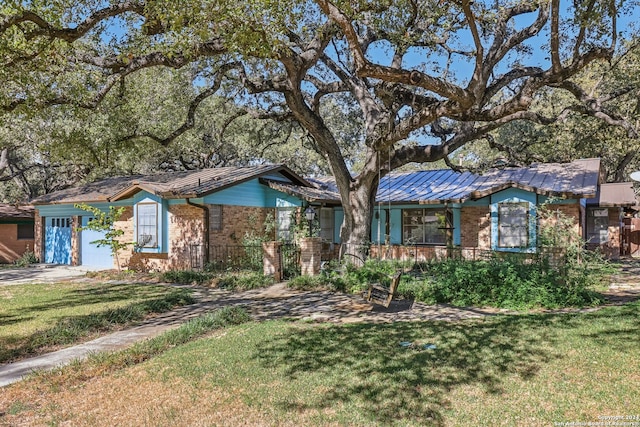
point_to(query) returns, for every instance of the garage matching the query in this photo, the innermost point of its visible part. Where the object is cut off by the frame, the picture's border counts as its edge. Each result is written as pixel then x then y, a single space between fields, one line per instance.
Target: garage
pixel 91 254
pixel 57 240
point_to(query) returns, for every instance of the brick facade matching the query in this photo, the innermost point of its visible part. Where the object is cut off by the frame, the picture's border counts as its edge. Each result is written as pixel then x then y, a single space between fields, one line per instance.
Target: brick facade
pixel 186 236
pixel 75 240
pixel 12 248
pixel 236 221
pixel 475 227
pixel 38 243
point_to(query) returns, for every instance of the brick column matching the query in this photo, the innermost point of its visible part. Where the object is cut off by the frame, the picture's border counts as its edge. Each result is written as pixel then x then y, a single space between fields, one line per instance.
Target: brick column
pixel 38 243
pixel 310 255
pixel 75 240
pixel 271 260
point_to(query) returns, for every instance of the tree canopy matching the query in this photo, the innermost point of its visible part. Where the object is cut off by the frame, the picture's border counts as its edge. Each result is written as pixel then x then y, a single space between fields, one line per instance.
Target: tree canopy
pixel 422 77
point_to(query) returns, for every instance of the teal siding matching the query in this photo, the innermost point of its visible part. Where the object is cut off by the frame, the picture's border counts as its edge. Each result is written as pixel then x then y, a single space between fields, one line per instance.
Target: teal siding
pixel 253 194
pixel 456 225
pixel 70 210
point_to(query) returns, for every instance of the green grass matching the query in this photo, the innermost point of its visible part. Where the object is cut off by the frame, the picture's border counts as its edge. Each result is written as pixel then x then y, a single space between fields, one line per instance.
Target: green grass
pixel 37 317
pixel 525 370
pixel 508 370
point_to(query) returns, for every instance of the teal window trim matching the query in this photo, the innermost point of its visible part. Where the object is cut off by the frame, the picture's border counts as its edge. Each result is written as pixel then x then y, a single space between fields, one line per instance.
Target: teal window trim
pixel 161 244
pixel 419 220
pixel 147 235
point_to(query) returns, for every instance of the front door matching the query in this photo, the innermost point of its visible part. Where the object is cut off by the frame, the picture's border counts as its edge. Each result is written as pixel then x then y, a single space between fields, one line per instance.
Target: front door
pixel 58 240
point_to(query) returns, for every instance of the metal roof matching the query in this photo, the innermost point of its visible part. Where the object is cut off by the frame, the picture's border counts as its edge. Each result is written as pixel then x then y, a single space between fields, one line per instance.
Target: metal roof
pixel 170 185
pixel 579 179
pixel 619 194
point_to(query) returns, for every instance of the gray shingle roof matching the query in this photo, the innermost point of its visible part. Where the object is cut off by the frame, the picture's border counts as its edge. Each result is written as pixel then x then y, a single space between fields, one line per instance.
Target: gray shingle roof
pixel 171 185
pixel 11 212
pixel 310 194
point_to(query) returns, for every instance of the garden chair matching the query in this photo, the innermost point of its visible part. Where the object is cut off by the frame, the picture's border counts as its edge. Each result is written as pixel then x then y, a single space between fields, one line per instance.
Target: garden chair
pixel 382 295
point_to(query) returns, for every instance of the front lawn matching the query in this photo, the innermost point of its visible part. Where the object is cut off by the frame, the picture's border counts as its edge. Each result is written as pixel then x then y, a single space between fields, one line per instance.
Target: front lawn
pixel 37 318
pixel 525 370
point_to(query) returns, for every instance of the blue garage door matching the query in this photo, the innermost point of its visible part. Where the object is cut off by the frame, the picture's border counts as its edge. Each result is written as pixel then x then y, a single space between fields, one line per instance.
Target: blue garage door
pixel 91 254
pixel 57 240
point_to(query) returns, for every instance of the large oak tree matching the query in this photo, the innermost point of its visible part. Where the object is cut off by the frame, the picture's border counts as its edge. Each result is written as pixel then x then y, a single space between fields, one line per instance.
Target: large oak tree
pixel 423 78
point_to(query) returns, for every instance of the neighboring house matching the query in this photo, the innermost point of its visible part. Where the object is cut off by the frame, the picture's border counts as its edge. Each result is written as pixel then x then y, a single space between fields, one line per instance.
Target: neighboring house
pixel 168 216
pixel 606 215
pixel 494 211
pixel 16 232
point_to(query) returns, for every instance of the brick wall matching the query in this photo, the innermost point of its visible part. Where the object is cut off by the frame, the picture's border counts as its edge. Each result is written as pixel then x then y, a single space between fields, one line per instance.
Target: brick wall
pixel 570 211
pixel 125 223
pixel 38 243
pixel 186 228
pixel 475 227
pixel 75 240
pixel 236 220
pixel 10 247
pixel 612 248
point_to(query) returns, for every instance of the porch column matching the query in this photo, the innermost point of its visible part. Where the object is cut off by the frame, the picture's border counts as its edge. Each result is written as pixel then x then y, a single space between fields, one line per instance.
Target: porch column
pixel 272 262
pixel 310 255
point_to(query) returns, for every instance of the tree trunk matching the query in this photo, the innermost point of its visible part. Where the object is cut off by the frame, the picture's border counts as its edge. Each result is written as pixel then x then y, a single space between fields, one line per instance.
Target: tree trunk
pixel 355 233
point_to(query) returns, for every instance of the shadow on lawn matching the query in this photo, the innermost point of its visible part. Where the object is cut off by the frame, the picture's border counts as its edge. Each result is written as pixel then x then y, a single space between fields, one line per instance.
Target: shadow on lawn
pixel 72 329
pixel 98 294
pixel 365 365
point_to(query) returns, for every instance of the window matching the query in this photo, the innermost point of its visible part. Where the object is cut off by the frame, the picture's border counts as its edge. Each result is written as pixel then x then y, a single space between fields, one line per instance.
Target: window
pixel 597 225
pixel 424 227
pixel 147 217
pixel 284 224
pixel 326 224
pixel 25 232
pixel 513 225
pixel 216 217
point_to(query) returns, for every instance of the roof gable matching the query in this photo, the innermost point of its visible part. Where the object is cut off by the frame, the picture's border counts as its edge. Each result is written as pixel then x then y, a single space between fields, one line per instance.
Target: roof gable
pixel 171 185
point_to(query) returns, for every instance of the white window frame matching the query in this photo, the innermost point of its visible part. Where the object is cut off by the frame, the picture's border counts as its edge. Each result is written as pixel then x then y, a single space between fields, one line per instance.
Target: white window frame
pixel 511 232
pixel 327 220
pixel 597 225
pixel 147 229
pixel 283 224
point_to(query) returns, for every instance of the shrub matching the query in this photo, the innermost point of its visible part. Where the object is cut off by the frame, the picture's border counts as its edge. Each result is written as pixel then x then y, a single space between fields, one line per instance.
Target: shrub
pixel 307 283
pixel 244 281
pixel 26 259
pixel 187 277
pixel 504 281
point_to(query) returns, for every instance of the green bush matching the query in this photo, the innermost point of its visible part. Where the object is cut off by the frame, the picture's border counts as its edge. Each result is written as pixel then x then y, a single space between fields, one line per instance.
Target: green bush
pixel 309 283
pixel 504 281
pixel 244 281
pixel 26 259
pixel 187 276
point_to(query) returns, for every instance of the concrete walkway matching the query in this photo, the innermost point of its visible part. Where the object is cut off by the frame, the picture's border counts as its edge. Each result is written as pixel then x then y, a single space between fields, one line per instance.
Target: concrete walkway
pixel 42 273
pixel 277 301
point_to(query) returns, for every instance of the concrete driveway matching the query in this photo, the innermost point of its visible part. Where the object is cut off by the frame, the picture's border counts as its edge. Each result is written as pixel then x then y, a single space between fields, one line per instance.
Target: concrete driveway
pixel 42 273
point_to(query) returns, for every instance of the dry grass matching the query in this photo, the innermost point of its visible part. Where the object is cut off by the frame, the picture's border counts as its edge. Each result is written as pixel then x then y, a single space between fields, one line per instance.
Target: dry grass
pixel 507 370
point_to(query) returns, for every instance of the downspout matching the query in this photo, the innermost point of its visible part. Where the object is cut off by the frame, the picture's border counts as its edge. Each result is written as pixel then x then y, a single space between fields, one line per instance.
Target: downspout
pixel 205 209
